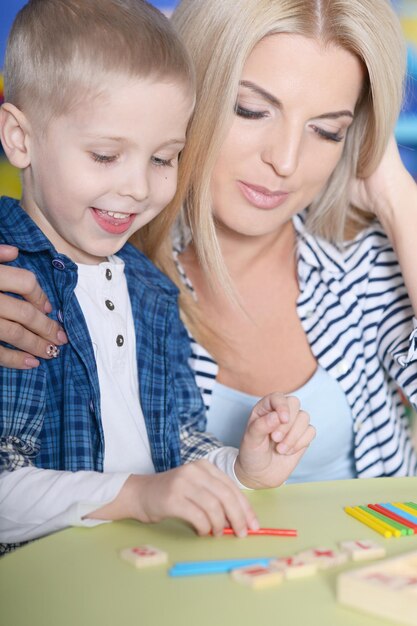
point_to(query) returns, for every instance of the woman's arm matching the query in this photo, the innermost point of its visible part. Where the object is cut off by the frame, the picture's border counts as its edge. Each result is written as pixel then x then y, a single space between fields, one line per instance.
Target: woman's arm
pixel 24 323
pixel 391 194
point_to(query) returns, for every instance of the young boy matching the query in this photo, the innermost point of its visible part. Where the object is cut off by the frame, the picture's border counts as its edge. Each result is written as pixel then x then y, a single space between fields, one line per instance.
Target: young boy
pixel 98 97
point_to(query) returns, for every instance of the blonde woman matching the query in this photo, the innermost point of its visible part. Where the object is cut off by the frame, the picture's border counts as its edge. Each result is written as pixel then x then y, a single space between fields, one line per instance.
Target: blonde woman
pixel 298 238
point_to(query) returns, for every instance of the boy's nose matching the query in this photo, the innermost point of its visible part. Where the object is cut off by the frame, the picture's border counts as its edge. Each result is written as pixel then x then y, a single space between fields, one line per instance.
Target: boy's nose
pixel 135 184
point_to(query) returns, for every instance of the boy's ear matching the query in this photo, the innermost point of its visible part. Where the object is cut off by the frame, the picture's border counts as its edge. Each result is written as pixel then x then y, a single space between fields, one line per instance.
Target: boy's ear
pixel 14 134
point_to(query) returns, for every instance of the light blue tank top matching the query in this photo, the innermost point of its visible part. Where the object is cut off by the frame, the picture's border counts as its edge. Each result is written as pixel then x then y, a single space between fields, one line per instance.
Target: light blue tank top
pixel 330 455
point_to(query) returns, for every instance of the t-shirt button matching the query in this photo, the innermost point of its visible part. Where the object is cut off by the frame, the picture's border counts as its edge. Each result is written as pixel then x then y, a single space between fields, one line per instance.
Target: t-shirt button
pixel 120 340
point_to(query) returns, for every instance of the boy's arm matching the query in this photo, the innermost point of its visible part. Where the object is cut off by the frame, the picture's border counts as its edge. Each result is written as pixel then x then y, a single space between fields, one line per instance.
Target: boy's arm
pixel 35 502
pixel 197 493
pixel 22 407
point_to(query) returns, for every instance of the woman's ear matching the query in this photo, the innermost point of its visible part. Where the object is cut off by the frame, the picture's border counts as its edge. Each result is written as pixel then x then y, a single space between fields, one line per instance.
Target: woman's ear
pixel 14 134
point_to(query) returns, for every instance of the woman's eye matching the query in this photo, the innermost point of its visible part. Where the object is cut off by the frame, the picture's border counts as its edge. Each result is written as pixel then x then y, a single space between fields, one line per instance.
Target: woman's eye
pixel 248 114
pixel 325 134
pixel 103 158
pixel 159 162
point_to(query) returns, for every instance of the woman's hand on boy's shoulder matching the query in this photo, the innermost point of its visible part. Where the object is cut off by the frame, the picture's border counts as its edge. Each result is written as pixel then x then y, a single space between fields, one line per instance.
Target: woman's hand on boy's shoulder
pixel 277 435
pixel 24 323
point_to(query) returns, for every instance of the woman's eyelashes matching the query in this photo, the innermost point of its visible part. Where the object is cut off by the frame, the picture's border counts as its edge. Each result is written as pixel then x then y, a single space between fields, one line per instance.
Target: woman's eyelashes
pixel 328 135
pixel 248 113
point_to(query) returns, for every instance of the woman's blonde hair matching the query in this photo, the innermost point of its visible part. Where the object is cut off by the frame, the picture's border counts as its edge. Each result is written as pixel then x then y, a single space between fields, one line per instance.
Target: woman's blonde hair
pixel 220 35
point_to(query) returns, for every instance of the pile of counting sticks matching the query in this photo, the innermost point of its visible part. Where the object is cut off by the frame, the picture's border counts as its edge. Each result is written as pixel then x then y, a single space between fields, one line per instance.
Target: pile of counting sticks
pixel 389 519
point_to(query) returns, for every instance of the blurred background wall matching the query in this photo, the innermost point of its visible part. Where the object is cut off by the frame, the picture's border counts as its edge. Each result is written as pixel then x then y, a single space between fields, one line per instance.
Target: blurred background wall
pixel 406 131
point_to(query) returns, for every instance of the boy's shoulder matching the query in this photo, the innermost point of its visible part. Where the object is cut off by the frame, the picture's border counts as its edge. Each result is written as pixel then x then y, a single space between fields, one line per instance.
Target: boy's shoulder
pixel 139 267
pixel 18 229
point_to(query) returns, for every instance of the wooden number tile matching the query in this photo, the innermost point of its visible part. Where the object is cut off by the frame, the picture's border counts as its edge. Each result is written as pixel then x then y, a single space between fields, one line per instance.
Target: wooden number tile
pixel 363 549
pixel 257 576
pixel 323 557
pixel 295 567
pixel 144 556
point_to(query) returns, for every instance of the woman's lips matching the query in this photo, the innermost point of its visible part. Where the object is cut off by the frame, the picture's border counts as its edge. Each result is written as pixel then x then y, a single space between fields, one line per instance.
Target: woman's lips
pixel 260 197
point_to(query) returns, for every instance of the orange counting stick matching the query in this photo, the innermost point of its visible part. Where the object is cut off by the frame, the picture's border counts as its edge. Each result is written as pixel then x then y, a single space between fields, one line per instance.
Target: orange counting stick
pixel 273 532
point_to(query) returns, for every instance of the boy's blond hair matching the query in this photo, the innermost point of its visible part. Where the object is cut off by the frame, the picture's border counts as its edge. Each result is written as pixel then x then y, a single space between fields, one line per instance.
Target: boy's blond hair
pixel 59 52
pixel 62 52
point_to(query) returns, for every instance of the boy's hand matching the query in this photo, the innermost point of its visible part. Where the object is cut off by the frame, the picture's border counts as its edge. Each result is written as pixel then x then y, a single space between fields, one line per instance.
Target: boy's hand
pixel 197 493
pixel 22 322
pixel 276 437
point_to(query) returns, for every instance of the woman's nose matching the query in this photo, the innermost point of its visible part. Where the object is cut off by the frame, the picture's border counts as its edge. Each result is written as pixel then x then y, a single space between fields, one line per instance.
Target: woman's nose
pixel 283 148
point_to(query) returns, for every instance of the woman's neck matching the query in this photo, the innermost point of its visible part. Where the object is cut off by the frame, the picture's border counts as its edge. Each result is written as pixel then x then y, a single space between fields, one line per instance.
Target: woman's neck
pixel 262 344
pixel 243 254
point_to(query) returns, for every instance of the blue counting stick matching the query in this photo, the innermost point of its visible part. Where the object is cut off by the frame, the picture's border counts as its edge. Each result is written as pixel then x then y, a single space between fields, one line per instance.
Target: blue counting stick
pixel 198 568
pixel 400 512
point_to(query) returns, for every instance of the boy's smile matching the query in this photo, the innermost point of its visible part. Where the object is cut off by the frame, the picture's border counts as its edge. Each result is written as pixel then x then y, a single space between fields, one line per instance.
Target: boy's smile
pixel 106 168
pixel 111 222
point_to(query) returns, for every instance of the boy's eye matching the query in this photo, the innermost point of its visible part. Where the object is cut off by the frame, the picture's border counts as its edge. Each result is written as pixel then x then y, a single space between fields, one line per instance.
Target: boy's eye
pixel 325 134
pixel 159 162
pixel 103 158
pixel 248 114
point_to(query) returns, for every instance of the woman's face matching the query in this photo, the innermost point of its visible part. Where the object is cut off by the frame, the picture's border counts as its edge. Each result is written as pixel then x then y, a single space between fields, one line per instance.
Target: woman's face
pixel 295 104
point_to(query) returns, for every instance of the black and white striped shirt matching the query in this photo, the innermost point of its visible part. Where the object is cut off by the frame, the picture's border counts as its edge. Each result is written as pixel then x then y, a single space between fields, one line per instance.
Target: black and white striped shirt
pixel 358 319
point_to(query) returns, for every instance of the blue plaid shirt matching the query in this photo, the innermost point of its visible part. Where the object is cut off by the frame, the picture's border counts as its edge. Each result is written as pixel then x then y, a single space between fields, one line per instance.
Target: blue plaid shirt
pixel 50 416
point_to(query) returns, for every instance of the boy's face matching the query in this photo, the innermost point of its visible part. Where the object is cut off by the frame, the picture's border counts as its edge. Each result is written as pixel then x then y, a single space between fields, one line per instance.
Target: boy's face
pixel 108 167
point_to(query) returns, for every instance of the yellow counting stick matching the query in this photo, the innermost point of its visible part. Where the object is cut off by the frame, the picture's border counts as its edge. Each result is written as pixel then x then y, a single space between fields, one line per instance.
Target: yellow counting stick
pixel 406 508
pixel 371 522
pixel 386 524
pixel 398 530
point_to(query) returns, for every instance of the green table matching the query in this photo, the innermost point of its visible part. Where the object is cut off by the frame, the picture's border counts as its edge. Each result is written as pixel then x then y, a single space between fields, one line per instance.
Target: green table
pixel 76 578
